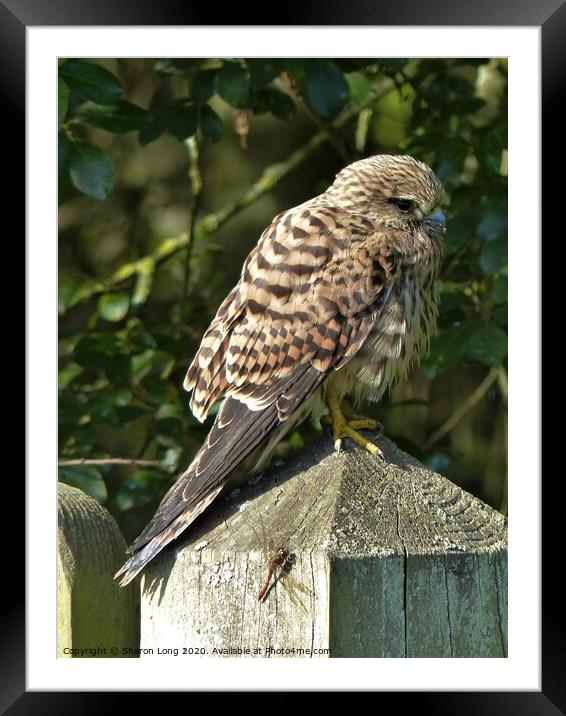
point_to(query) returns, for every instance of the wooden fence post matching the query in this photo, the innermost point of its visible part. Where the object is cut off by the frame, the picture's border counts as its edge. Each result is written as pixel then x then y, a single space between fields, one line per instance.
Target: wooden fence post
pixel 389 560
pixel 96 618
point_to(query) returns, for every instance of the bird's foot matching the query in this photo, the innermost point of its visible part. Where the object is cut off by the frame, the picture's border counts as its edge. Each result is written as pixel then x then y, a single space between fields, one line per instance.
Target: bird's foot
pixel 369 423
pixel 346 424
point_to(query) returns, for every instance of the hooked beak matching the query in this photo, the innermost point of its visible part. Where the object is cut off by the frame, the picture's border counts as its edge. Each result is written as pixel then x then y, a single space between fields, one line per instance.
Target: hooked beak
pixel 437 217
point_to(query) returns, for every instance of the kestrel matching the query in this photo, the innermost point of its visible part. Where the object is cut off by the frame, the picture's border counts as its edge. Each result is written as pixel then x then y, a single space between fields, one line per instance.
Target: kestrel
pixel 338 298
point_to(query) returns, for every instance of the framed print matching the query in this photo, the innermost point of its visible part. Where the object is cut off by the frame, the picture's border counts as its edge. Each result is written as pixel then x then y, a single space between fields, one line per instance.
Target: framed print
pixel 114 77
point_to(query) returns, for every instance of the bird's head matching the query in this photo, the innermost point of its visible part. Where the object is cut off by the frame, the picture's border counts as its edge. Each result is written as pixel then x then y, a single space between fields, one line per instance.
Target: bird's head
pixel 396 189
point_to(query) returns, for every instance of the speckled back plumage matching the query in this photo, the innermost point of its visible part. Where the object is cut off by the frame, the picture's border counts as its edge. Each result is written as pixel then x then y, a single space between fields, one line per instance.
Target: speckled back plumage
pixel 340 290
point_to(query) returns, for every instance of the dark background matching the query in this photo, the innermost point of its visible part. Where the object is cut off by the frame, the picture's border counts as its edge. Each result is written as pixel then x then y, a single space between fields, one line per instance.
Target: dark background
pixel 550 17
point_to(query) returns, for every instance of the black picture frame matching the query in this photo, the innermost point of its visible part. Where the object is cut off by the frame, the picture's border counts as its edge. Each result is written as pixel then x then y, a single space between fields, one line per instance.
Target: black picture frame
pixel 550 16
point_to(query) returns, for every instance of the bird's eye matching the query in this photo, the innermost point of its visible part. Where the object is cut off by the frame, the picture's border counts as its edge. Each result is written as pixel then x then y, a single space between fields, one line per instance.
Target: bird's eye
pixel 403 204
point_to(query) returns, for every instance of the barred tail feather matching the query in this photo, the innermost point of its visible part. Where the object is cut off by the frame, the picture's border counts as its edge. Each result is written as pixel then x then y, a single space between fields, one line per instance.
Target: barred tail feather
pixel 237 431
pixel 141 558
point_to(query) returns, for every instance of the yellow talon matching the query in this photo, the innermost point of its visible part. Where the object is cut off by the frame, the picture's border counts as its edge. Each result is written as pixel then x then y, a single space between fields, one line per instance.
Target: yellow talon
pixel 346 425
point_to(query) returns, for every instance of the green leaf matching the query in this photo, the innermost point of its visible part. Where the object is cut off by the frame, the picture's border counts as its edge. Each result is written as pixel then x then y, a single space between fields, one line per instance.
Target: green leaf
pixel 460 228
pixel 114 306
pixel 169 457
pixel 493 226
pixel 140 339
pixel 395 65
pixel 360 87
pixel 91 170
pixel 233 84
pixel 488 345
pixel 460 87
pixel 78 435
pixel 499 316
pixel 64 181
pixel 347 64
pixel 142 364
pixel 104 413
pixel 69 411
pixel 62 100
pixel 87 478
pixel 91 82
pixel 489 154
pixel 447 349
pixel 494 256
pixel 75 290
pixel 279 103
pixel 202 87
pixel 170 344
pixel 180 120
pixel 475 340
pixel 326 91
pixel 120 118
pixel 263 71
pixel 68 374
pixel 93 345
pixel 155 362
pixel 170 432
pixel 170 410
pixel 499 291
pixel 151 131
pixel 454 302
pixel 450 160
pixel 210 124
pixel 104 352
pixel 127 413
pixel 158 389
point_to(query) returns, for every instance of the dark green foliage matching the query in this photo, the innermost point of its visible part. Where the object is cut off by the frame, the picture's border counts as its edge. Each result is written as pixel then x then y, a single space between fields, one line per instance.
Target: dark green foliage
pixel 275 101
pixel 118 118
pixel 325 88
pixel 180 119
pixel 90 170
pixel 87 478
pixel 210 124
pixel 62 100
pixel 233 84
pixel 203 85
pixel 129 330
pixel 114 306
pixel 89 81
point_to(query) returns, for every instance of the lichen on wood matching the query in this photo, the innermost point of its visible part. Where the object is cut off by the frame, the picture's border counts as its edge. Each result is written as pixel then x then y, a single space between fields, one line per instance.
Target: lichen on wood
pixel 394 561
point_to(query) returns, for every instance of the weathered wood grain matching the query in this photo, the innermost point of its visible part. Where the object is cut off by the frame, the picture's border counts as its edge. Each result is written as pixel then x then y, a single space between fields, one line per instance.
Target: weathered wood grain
pixel 394 561
pixel 95 617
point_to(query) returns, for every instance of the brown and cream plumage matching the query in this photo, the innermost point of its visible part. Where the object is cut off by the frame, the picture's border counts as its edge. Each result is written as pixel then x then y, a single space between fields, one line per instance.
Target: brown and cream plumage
pixel 338 298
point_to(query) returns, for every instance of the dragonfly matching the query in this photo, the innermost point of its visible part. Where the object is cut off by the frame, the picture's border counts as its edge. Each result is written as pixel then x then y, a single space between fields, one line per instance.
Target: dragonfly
pixel 280 561
pixel 276 561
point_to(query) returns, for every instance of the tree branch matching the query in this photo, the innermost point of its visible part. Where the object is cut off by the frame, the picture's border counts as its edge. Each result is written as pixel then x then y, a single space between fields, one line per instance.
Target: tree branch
pixel 464 408
pixel 144 268
pixel 112 461
pixel 196 188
